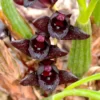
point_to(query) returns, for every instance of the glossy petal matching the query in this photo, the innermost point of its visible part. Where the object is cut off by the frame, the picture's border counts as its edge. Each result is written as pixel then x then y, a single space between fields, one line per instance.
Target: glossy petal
pixel 37 49
pixel 21 45
pixel 42 24
pixel 75 34
pixel 30 79
pixel 55 52
pixel 19 2
pixel 48 3
pixel 58 25
pixel 66 77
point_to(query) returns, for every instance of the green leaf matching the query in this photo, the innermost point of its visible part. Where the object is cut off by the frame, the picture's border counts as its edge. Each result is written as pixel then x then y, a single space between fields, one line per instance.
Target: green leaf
pixel 84 80
pixel 87 12
pixel 17 23
pixel 75 92
pixel 96 13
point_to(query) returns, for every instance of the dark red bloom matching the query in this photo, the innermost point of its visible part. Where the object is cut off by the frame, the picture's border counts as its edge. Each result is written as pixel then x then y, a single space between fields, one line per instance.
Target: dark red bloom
pixel 58 26
pixel 48 3
pixel 38 47
pixel 48 77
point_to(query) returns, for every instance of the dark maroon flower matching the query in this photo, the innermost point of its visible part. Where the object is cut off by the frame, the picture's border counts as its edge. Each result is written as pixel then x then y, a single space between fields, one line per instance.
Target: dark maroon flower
pixel 59 27
pixel 48 77
pixel 38 48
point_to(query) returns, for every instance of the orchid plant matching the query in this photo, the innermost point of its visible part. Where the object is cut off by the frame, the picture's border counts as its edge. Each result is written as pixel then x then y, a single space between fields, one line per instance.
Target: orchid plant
pixel 36 44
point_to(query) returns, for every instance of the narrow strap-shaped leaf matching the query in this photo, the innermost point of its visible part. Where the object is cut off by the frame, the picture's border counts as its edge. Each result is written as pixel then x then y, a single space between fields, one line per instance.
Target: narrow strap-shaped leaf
pixel 17 23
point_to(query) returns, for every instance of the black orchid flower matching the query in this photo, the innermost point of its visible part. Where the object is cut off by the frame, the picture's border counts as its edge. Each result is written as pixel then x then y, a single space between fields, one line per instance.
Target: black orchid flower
pixel 36 3
pixel 58 26
pixel 38 48
pixel 48 77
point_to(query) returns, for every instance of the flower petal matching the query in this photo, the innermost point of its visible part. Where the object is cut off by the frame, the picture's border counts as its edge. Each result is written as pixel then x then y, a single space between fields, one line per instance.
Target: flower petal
pixel 30 79
pixel 66 77
pixel 75 34
pixel 40 69
pixel 34 4
pixel 55 52
pixel 21 45
pixel 42 23
pixel 48 3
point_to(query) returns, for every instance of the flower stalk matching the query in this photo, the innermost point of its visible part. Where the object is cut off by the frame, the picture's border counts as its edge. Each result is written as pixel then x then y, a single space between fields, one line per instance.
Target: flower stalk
pixel 78 92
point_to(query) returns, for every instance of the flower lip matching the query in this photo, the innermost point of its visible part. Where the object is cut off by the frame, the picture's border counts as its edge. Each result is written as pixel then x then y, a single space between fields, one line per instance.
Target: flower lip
pixel 58 25
pixel 48 77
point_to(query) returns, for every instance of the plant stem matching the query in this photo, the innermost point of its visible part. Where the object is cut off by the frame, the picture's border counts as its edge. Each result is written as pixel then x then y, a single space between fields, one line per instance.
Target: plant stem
pixel 96 13
pixel 84 80
pixel 80 55
pixel 82 5
pixel 78 92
